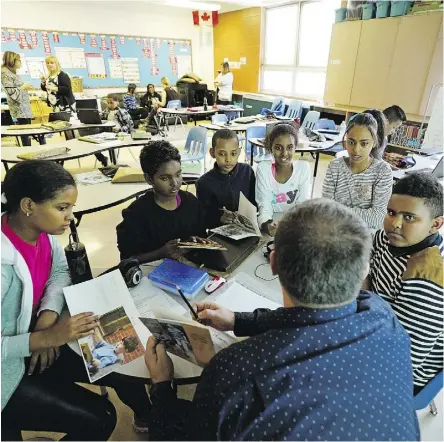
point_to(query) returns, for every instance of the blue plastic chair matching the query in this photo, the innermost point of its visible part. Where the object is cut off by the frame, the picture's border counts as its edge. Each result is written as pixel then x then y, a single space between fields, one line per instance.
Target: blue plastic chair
pixel 326 124
pixel 277 107
pixel 427 395
pixel 311 119
pixel 219 119
pixel 196 146
pixel 176 104
pixel 254 132
pixel 294 109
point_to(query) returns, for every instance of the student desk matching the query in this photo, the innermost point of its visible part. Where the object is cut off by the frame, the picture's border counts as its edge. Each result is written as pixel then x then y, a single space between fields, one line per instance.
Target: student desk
pixel 185 372
pixel 39 134
pixel 77 149
pixel 422 162
pixel 199 112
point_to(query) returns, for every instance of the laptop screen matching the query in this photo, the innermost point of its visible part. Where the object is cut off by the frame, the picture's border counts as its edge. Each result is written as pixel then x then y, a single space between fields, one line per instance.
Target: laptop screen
pixel 438 171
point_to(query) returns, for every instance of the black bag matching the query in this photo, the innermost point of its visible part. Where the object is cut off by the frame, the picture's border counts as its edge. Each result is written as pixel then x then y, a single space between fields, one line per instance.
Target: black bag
pixel 171 95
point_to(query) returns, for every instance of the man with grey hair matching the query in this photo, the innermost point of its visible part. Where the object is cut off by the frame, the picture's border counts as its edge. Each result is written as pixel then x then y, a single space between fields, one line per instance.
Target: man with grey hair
pixel 332 364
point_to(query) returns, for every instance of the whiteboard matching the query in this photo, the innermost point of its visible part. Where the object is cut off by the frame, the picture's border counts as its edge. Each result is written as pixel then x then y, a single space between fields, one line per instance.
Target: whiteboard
pixel 434 134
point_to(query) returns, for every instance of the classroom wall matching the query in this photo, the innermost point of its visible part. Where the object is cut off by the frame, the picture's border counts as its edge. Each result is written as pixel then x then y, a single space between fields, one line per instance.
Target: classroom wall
pixel 123 17
pixel 238 34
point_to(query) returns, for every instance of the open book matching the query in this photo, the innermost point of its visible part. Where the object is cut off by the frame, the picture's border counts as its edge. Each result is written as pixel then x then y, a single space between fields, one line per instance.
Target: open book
pixel 247 224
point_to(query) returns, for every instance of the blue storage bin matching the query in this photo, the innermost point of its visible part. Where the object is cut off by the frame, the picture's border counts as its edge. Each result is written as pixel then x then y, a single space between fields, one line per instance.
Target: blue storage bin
pixel 341 13
pixel 399 8
pixel 368 11
pixel 382 9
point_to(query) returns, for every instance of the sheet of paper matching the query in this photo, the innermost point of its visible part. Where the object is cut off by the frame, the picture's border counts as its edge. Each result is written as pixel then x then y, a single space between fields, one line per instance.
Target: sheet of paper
pixel 96 65
pixel 249 211
pixel 115 68
pixel 94 177
pixel 24 67
pixel 36 67
pixel 120 337
pixel 71 58
pixel 130 68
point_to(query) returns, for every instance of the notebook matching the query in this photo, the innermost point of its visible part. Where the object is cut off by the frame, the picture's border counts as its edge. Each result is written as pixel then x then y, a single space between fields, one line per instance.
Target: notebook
pixel 43 153
pixel 129 175
pixel 171 273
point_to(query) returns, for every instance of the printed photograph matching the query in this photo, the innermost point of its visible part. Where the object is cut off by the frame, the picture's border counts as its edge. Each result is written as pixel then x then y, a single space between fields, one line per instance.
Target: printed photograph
pixel 114 343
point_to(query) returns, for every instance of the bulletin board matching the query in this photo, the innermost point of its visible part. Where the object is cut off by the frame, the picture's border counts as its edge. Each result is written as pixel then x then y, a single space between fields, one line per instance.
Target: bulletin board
pixel 102 60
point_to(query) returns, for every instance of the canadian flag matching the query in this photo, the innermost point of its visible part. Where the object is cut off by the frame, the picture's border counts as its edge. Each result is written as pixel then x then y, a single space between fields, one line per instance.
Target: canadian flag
pixel 206 18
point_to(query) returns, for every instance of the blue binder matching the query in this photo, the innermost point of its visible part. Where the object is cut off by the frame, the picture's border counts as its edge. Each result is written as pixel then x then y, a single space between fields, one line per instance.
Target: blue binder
pixel 171 273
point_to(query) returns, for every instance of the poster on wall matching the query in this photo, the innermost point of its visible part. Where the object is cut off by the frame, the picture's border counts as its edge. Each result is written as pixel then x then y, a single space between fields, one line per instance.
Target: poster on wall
pixel 24 68
pixel 36 67
pixel 71 58
pixel 183 65
pixel 115 68
pixel 130 68
pixel 96 65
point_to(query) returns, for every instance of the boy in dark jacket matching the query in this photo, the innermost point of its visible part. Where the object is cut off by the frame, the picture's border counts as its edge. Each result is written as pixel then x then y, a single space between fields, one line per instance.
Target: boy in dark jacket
pixel 221 186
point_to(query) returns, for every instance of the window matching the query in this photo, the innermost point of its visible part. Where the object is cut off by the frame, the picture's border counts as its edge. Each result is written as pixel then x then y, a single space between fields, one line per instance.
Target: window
pixel 296 46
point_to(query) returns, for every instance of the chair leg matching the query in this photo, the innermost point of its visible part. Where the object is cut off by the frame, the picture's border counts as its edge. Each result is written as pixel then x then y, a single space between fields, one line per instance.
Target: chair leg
pixel 433 408
pixel 132 154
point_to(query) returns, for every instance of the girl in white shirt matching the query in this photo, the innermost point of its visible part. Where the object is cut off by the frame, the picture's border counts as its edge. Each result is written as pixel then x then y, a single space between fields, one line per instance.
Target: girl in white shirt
pixel 281 183
pixel 224 81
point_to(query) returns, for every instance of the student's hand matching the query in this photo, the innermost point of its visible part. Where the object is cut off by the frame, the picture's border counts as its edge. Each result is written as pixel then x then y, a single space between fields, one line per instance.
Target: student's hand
pixel 43 79
pixel 215 316
pixel 200 240
pixel 270 228
pixel 70 328
pixel 46 356
pixel 171 249
pixel 157 361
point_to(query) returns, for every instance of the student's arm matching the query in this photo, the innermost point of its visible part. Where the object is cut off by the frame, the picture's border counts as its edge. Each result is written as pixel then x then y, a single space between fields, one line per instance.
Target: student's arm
pixel 206 198
pixel 305 183
pixel 13 91
pixel 329 185
pixel 264 195
pixel 422 287
pixel 382 191
pixel 64 87
pixel 252 191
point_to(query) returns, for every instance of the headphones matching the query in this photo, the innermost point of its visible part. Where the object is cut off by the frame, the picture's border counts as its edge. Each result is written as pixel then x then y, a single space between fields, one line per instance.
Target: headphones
pixel 270 248
pixel 130 270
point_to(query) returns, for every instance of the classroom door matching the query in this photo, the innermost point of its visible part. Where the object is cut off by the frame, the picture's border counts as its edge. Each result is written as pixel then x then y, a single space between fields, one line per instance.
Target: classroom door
pixel 414 48
pixel 341 62
pixel 375 54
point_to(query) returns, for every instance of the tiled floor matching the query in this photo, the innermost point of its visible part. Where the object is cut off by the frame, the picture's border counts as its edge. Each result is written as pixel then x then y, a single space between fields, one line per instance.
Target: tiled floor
pixel 97 232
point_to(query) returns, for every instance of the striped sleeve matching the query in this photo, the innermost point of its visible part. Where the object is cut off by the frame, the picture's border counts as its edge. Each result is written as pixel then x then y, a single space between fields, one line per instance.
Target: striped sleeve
pixel 328 187
pixel 374 215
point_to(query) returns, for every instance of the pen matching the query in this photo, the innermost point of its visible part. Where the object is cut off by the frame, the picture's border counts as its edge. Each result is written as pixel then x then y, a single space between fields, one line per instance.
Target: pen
pixel 193 312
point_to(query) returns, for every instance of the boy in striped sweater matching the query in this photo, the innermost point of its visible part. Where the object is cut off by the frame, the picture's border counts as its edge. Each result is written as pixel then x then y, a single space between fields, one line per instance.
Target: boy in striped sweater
pixel 406 269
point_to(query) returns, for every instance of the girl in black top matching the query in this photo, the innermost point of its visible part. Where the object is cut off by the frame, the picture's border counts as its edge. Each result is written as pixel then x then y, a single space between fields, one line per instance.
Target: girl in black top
pixel 58 86
pixel 153 224
pixel 151 97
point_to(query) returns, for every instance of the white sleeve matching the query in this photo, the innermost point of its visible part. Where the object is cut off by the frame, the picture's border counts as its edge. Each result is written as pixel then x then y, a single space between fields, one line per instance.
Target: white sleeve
pixel 264 194
pixel 305 182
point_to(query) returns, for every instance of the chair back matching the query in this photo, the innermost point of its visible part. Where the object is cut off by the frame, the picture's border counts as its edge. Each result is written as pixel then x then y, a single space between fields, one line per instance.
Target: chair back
pixel 219 119
pixel 326 124
pixel 254 132
pixel 294 109
pixel 311 119
pixel 278 105
pixel 174 104
pixel 196 144
pixel 429 392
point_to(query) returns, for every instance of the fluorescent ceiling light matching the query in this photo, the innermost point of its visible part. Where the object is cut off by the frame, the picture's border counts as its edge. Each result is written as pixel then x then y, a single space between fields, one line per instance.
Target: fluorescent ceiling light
pixel 194 5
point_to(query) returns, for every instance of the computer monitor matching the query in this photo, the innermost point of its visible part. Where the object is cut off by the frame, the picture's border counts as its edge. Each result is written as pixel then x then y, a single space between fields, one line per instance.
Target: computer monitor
pixel 86 103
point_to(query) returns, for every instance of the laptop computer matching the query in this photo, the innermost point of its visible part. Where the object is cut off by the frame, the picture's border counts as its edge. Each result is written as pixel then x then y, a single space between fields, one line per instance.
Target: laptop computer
pixel 437 172
pixel 59 116
pixel 224 260
pixel 89 116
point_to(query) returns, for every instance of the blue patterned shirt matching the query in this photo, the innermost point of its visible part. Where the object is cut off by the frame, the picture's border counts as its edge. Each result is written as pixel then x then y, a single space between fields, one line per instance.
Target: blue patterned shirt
pixel 308 374
pixel 129 102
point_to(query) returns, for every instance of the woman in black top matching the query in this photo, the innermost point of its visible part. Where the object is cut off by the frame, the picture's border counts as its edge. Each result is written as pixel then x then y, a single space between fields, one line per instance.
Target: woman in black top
pixel 153 224
pixel 151 97
pixel 58 86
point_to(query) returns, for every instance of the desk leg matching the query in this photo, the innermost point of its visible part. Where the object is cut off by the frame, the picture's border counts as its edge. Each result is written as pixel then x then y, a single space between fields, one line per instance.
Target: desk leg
pixel 41 139
pixel 251 152
pixel 112 156
pixel 73 228
pixel 315 172
pixel 5 165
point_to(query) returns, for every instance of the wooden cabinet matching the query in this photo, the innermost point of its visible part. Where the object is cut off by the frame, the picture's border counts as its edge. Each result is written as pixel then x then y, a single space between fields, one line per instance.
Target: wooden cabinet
pixel 375 52
pixel 409 70
pixel 341 61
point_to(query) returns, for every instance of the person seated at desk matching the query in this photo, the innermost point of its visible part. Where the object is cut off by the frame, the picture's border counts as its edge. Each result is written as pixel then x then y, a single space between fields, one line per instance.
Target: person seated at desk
pixel 360 181
pixel 332 364
pixel 281 183
pixel 220 188
pixel 395 117
pixel 151 98
pixel 407 269
pixel 130 104
pixel 120 116
pixel 39 371
pixel 153 224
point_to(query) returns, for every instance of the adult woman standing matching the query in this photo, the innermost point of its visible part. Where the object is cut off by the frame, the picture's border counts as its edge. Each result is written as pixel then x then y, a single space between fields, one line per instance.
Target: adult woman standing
pixel 58 86
pixel 224 82
pixel 16 91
